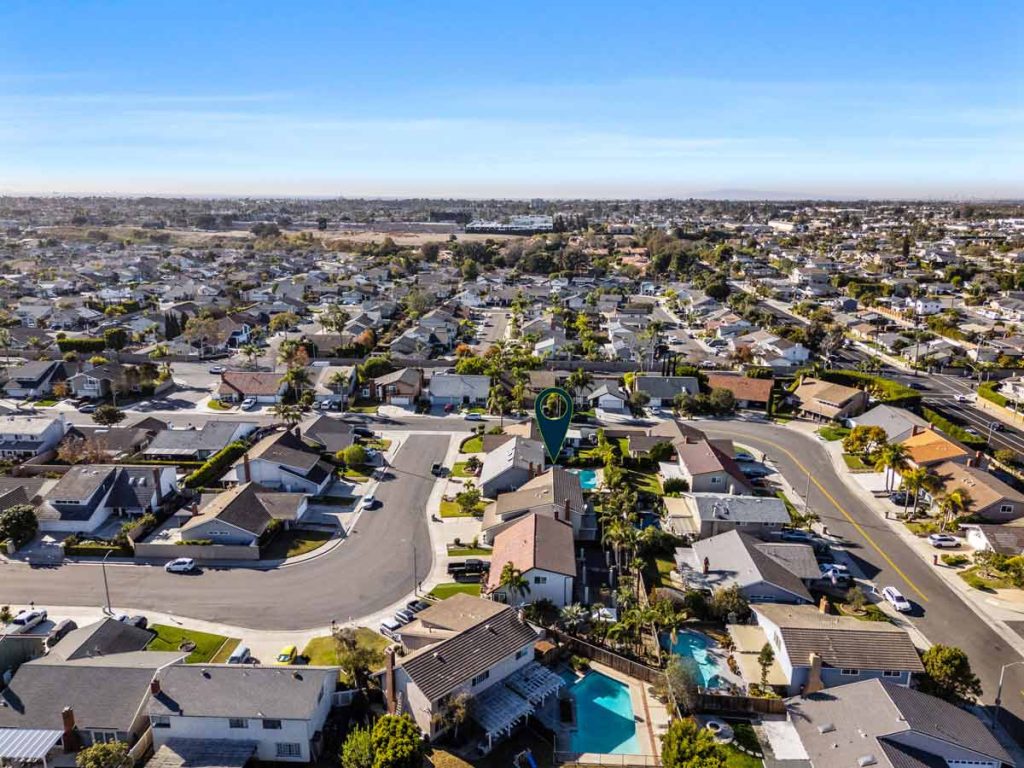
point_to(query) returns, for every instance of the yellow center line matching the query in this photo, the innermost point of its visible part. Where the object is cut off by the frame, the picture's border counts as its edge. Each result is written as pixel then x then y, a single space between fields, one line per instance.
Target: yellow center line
pixel 859 528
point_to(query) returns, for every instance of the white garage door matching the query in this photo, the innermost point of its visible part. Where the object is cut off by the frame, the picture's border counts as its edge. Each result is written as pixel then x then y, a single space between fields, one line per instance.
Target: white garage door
pixel 401 400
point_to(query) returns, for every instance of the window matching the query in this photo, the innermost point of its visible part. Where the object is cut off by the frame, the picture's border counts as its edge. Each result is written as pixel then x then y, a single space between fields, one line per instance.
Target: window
pixel 540 579
pixel 849 672
pixel 272 725
pixel 160 721
pixel 238 722
pixel 521 652
pixel 1006 509
pixel 481 677
pixel 891 673
pixel 103 737
pixel 716 480
pixel 288 749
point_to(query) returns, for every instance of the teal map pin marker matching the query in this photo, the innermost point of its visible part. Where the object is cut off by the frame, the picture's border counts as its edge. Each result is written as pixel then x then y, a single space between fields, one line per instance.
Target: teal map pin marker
pixel 554 427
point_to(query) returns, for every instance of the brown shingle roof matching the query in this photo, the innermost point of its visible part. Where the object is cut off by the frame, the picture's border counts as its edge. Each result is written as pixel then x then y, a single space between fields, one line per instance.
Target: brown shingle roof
pixel 536 541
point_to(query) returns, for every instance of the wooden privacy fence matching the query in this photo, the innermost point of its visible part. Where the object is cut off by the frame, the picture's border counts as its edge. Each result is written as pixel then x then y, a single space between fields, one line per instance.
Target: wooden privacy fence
pixel 713 702
pixel 608 658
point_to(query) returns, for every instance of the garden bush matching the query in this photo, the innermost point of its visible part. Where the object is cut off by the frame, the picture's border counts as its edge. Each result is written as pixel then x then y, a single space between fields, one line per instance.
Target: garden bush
pixel 954 560
pixel 215 466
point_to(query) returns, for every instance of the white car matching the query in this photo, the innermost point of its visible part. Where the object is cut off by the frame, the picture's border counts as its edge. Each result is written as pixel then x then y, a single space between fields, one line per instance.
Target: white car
pixel 217 369
pixel 963 398
pixel 368 502
pixel 943 541
pixel 248 404
pixel 27 619
pixel 181 565
pixel 474 417
pixel 895 598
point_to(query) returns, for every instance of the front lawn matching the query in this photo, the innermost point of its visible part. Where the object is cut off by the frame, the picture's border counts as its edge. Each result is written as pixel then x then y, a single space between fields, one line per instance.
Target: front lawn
pixel 831 432
pixel 217 405
pixel 322 652
pixel 451 509
pixel 474 444
pixel 379 444
pixel 855 463
pixel 357 474
pixel 364 406
pixel 294 543
pixel 745 737
pixel 222 656
pixel 45 403
pixel 459 470
pixel 662 576
pixel 454 551
pixel 986 581
pixel 444 591
pixel 170 638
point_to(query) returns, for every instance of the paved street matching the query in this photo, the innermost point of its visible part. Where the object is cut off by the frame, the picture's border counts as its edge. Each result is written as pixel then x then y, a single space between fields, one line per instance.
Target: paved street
pixel 880 554
pixel 366 573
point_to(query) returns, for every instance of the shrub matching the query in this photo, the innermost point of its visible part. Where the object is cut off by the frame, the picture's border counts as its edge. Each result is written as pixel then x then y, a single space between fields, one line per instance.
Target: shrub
pixel 214 466
pixel 195 542
pixel 675 485
pixel 579 663
pixel 988 391
pixel 954 560
pixel 956 432
pixel 886 390
pixel 83 344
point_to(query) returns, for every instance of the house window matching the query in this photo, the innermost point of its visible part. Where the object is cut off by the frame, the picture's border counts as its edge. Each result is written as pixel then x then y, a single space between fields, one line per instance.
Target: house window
pixel 271 725
pixel 103 737
pixel 521 652
pixel 891 673
pixel 849 672
pixel 481 677
pixel 1006 509
pixel 540 579
pixel 160 721
pixel 288 749
pixel 238 722
pixel 716 480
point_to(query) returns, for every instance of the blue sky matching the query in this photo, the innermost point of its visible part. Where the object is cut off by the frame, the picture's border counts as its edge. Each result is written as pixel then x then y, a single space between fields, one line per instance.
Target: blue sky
pixel 519 99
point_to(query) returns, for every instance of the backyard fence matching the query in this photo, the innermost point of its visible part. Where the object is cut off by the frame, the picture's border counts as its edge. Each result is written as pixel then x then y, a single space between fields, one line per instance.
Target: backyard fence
pixel 713 702
pixel 620 761
pixel 608 658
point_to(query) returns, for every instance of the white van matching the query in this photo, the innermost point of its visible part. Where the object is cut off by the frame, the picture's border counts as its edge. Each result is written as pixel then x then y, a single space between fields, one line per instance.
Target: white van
pixel 240 655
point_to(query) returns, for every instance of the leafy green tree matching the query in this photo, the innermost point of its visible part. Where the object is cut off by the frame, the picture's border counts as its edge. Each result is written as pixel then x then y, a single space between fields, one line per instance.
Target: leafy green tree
pixel 354 455
pixel 113 754
pixel 948 675
pixel 685 745
pixel 468 498
pixel 18 523
pixel 681 681
pixel 764 660
pixel 723 401
pixel 282 321
pixel 115 338
pixel 358 659
pixel 396 742
pixel 729 600
pixel 108 415
pixel 375 367
pixel 864 440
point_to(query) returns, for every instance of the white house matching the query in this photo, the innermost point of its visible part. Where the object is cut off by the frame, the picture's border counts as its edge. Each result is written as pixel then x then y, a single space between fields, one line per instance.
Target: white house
pixel 510 465
pixel 926 305
pixel 283 462
pixel 279 712
pixel 22 437
pixel 541 549
pixel 459 389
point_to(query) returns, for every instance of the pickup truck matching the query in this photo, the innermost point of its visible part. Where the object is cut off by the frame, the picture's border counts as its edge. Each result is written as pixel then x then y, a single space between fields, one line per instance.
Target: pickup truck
pixel 468 569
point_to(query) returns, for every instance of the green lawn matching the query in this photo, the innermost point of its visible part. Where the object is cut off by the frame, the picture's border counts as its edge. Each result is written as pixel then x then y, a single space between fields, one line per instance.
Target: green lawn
pixel 794 513
pixel 986 582
pixel 474 444
pixel 745 737
pixel 169 638
pixel 854 462
pixel 444 591
pixel 46 403
pixel 358 474
pixel 451 509
pixel 379 444
pixel 830 432
pixel 321 651
pixel 363 406
pixel 468 552
pixel 222 656
pixel 665 566
pixel 217 405
pixel 294 543
pixel 459 470
pixel 644 482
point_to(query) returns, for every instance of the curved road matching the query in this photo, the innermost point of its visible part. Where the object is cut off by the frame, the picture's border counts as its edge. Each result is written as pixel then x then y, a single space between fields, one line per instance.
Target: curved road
pixel 369 571
pixel 883 556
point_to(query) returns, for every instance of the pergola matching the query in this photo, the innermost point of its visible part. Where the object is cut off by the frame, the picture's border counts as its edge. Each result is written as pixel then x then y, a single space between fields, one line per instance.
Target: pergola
pixel 498 710
pixel 535 683
pixel 26 745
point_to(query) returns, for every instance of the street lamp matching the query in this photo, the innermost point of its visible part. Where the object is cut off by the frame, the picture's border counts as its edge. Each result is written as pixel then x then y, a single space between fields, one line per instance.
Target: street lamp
pixel 999 691
pixel 106 585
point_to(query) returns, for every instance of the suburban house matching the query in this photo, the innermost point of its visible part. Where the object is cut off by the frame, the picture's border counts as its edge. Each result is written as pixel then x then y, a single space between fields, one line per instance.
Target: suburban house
pixel 663 389
pixel 706 468
pixel 541 549
pixel 334 383
pixel 99 382
pixel 774 572
pixel 819 399
pixel 556 493
pixel 34 379
pixel 929 448
pixel 102 638
pixel 1005 540
pixel 282 461
pixel 88 494
pixel 22 437
pixel 608 397
pixel 750 393
pixel 196 444
pixel 701 515
pixel 275 714
pixel 510 465
pixel 876 723
pixel 114 443
pixel 401 387
pixel 264 387
pixel 898 423
pixel 242 514
pixel 327 434
pixel 991 499
pixel 833 650
pixel 459 389
pixel 490 657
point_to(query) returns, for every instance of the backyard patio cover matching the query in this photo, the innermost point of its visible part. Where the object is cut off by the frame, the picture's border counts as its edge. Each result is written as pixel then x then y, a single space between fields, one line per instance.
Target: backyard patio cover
pixel 535 682
pixel 26 744
pixel 498 710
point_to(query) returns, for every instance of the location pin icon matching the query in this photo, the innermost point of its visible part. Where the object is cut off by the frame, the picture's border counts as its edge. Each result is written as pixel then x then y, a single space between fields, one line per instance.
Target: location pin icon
pixel 554 419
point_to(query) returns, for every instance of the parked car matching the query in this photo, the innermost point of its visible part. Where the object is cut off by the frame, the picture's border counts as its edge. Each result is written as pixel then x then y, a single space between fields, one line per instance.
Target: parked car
pixel 797 535
pixel 181 565
pixel 471 568
pixel 404 615
pixel 390 628
pixel 27 619
pixel 963 398
pixel 943 541
pixel 248 404
pixel 240 655
pixel 87 408
pixel 417 605
pixel 474 417
pixel 436 469
pixel 217 369
pixel 60 631
pixel 363 432
pixel 899 498
pixel 895 598
pixel 369 502
pixel 744 456
pixel 287 656
pixel 135 621
pixel 753 469
pixel 997 426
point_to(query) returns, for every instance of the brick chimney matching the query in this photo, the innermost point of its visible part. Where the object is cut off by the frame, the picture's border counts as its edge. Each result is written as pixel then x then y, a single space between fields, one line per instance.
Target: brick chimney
pixel 70 736
pixel 814 683
pixel 389 680
pixel 154 686
pixel 246 469
pixel 159 486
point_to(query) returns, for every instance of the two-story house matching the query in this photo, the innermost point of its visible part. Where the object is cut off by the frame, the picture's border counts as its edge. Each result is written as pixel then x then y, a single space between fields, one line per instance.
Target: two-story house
pixel 541 549
pixel 282 461
pixel 22 437
pixel 34 379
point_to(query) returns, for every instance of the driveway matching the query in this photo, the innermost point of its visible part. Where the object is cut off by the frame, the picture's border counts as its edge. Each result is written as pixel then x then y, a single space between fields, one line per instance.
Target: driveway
pixel 371 570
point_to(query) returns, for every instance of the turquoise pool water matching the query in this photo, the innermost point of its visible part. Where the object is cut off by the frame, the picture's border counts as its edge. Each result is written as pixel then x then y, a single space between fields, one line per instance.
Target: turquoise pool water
pixel 694 646
pixel 604 715
pixel 588 478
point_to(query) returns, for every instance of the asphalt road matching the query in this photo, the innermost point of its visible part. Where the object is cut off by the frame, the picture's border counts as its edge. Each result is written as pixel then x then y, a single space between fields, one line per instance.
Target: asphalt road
pixel 882 556
pixel 365 574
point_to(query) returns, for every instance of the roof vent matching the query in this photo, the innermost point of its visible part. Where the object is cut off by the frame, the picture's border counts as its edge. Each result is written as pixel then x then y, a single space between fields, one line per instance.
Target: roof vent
pixel 826 728
pixel 865 760
pixel 438 656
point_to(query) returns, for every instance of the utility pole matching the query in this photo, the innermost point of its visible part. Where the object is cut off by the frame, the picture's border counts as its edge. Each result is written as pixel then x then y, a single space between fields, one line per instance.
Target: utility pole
pixel 807 495
pixel 106 584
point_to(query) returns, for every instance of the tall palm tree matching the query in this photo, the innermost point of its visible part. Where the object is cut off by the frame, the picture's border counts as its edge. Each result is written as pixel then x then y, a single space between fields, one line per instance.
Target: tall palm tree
pixel 953 503
pixel 578 382
pixel 291 354
pixel 514 582
pixel 251 352
pixel 497 403
pixel 288 413
pixel 298 379
pixel 892 459
pixel 914 481
pixel 573 617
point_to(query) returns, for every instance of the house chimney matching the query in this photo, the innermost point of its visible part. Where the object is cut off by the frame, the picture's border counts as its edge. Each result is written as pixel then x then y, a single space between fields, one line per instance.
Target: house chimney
pixel 814 683
pixel 389 679
pixel 159 487
pixel 531 475
pixel 823 604
pixel 931 426
pixel 246 469
pixel 154 686
pixel 70 735
pixel 297 431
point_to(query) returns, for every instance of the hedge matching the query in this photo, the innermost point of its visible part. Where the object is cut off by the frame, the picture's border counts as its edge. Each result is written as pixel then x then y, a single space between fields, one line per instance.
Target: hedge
pixel 953 430
pixel 81 344
pixel 215 466
pixel 96 549
pixel 886 390
pixel 988 391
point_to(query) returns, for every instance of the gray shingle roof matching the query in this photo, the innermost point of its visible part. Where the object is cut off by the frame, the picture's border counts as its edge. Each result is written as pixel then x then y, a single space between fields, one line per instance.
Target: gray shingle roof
pixel 734 558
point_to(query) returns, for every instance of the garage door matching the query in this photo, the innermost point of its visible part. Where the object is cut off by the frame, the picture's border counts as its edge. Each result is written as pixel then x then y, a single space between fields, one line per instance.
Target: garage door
pixel 401 400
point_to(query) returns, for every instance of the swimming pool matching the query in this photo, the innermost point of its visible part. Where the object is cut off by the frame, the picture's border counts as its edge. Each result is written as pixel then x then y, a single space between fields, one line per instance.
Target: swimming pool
pixel 694 646
pixel 588 478
pixel 604 715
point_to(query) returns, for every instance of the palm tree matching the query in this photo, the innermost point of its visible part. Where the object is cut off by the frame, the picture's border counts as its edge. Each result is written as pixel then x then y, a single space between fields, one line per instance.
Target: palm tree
pixel 618 534
pixel 579 381
pixel 914 481
pixel 514 582
pixel 288 413
pixel 5 342
pixel 291 354
pixel 298 379
pixel 892 459
pixel 251 352
pixel 497 403
pixel 953 503
pixel 573 617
